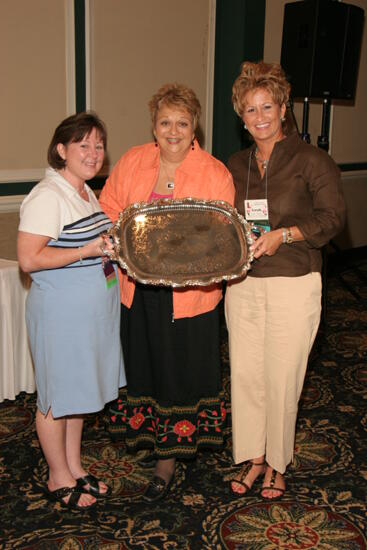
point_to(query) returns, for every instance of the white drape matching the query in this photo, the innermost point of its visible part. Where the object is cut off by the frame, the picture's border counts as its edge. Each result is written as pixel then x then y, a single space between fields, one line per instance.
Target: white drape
pixel 16 367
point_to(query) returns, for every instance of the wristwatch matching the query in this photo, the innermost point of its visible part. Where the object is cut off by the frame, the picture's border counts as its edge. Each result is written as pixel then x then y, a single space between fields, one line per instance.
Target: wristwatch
pixel 289 239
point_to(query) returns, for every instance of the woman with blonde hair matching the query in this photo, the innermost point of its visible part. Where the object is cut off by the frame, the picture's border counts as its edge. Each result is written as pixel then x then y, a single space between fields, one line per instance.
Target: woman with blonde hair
pixel 291 192
pixel 173 404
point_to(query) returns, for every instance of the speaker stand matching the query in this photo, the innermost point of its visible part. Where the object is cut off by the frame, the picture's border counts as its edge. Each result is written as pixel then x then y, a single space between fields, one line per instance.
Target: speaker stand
pixel 323 139
pixel 305 135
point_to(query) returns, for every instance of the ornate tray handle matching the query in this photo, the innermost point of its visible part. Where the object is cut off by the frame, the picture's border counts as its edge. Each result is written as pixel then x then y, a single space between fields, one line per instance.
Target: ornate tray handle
pixel 182 242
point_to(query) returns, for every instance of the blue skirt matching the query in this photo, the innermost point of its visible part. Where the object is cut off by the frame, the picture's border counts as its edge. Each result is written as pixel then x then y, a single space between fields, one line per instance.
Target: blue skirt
pixel 73 323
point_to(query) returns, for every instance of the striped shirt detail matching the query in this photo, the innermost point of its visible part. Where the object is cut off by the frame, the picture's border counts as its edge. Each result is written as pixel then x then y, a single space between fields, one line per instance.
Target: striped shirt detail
pixel 81 232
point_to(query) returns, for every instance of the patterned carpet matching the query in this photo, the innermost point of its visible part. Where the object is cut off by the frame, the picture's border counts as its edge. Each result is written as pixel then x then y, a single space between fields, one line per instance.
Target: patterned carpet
pixel 325 505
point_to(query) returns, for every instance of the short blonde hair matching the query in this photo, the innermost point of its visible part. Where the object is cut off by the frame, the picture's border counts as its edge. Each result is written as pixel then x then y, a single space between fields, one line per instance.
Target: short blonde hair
pixel 269 76
pixel 179 96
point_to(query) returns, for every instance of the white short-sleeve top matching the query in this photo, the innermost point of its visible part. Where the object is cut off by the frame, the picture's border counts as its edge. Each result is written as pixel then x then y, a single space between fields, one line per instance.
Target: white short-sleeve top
pixel 53 204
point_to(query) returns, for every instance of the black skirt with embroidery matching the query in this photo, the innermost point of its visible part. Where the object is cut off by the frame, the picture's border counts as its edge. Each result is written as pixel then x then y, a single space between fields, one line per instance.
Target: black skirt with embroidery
pixel 174 401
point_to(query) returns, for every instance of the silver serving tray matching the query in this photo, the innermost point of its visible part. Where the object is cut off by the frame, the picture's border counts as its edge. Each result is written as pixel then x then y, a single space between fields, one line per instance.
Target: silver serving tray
pixel 179 243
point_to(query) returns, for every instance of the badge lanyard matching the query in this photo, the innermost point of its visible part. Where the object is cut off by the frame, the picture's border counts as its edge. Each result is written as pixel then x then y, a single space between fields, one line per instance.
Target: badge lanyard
pixel 256 210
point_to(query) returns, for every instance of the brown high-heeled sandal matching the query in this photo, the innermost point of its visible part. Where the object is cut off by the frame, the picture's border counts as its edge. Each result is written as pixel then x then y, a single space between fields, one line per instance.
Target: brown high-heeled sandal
pixel 241 481
pixel 272 487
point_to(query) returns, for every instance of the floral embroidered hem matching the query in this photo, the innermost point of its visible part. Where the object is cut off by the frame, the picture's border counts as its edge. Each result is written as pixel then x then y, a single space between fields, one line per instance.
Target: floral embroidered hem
pixel 169 431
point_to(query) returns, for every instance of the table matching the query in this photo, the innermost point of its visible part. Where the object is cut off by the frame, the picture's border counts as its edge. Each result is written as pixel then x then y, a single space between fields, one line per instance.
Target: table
pixel 16 366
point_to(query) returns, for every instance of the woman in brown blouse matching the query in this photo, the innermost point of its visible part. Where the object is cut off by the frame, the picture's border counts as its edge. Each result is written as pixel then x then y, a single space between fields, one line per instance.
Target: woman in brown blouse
pixel 291 192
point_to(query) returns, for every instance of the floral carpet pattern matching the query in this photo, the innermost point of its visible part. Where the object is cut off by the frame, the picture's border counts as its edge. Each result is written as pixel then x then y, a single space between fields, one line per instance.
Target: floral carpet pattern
pixel 325 505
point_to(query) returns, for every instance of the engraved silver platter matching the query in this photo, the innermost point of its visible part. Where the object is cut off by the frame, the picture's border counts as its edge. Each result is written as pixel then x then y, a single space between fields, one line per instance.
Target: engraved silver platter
pixel 179 243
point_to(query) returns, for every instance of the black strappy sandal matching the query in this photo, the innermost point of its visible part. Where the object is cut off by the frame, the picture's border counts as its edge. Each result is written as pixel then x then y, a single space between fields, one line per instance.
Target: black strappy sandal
pixel 93 488
pixel 73 503
pixel 244 473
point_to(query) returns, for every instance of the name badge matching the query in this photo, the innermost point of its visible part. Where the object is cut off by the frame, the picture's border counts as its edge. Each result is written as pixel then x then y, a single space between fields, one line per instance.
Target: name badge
pixel 256 210
pixel 109 273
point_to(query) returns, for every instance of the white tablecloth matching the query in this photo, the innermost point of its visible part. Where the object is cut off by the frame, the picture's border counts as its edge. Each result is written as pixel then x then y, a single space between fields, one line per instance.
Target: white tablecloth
pixel 16 367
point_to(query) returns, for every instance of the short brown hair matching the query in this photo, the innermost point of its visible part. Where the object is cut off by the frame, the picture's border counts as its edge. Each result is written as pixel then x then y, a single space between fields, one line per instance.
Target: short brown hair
pixel 72 130
pixel 179 96
pixel 269 76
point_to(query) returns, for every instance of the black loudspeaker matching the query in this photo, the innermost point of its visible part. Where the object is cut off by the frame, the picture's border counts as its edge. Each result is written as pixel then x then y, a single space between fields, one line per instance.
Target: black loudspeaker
pixel 321 47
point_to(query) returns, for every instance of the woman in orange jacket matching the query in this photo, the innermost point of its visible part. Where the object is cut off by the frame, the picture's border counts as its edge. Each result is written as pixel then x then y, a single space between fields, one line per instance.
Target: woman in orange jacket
pixel 173 403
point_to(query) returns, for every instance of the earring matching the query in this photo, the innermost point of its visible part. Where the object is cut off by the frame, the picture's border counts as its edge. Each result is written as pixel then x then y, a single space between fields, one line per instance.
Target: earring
pixel 155 142
pixel 282 119
pixel 245 127
pixel 193 144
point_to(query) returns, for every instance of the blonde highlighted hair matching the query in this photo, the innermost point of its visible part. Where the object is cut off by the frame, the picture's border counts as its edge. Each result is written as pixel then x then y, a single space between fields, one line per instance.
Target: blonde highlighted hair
pixel 176 95
pixel 269 76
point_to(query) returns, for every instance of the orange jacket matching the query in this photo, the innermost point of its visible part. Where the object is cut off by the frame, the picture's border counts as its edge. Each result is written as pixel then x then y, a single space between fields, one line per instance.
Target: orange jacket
pixel 133 179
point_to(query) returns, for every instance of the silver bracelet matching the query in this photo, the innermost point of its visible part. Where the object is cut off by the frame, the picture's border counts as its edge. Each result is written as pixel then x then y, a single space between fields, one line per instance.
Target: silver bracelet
pixel 289 236
pixel 284 235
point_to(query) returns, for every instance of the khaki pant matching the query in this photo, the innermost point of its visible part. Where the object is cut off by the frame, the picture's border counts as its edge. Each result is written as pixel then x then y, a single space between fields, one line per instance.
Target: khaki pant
pixel 272 324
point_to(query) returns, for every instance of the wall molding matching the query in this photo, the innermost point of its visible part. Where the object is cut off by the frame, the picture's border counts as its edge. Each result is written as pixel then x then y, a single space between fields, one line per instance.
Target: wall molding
pixel 22 175
pixel 11 203
pixel 359 167
pixel 12 193
pixel 16 184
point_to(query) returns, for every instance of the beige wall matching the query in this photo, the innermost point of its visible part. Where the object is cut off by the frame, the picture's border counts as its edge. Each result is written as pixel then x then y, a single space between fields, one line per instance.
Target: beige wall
pixel 33 90
pixel 136 46
pixel 132 48
pixel 354 234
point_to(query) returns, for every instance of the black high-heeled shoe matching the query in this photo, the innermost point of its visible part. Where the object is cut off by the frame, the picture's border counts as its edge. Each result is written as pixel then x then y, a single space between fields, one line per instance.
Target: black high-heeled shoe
pixel 157 488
